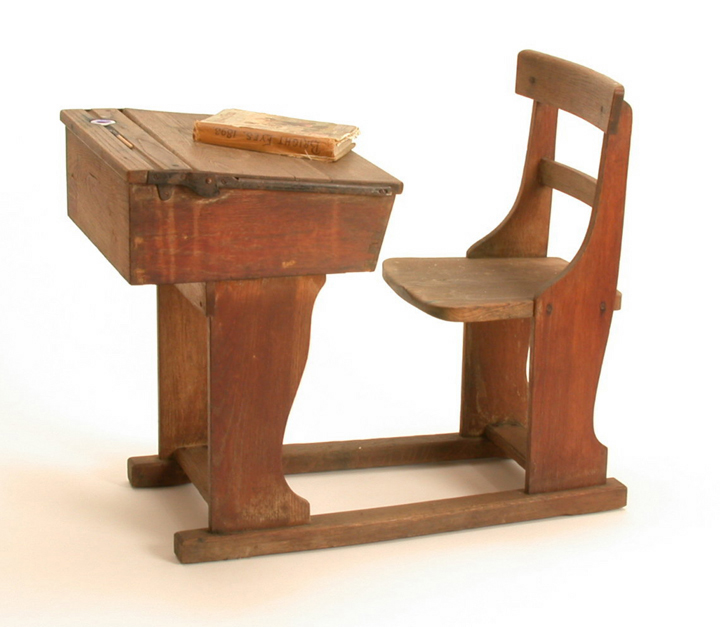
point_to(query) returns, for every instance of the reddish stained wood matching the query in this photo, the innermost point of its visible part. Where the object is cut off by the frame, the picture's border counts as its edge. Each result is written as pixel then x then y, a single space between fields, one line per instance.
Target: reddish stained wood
pixel 511 439
pixel 182 372
pixel 259 337
pixel 379 452
pixel 354 454
pixel 398 521
pixel 176 131
pixel 568 180
pixel 150 471
pixel 252 234
pixel 298 218
pixel 572 323
pixel 195 462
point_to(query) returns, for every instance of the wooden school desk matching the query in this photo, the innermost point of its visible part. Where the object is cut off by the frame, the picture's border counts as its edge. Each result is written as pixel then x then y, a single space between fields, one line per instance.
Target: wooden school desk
pixel 239 244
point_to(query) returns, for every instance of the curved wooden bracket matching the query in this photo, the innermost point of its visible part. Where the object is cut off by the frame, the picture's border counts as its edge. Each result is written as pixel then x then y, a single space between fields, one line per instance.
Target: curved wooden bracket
pixel 524 232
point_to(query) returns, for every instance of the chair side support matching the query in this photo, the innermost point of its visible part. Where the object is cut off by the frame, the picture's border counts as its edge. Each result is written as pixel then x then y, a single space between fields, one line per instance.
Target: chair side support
pixel 571 326
pixel 525 230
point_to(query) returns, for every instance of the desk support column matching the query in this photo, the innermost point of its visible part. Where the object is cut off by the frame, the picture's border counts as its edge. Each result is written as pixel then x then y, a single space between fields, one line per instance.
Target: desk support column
pixel 182 370
pixel 182 389
pixel 258 338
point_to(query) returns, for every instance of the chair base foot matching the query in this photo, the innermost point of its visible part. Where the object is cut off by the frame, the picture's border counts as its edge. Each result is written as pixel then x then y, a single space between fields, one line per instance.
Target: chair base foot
pixel 399 521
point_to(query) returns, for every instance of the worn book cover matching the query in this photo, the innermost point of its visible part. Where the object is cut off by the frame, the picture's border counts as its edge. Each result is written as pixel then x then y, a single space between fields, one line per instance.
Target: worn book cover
pixel 276 134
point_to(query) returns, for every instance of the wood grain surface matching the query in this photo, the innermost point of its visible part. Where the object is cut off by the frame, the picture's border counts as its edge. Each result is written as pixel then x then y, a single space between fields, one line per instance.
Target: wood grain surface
pixel 398 521
pixel 259 338
pixel 571 87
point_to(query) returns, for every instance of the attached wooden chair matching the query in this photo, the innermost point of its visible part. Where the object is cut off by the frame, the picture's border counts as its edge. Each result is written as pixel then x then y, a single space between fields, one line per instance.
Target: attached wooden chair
pixel 516 302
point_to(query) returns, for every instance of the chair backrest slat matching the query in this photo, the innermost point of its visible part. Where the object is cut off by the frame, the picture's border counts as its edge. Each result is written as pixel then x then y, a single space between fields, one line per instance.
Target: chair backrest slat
pixel 570 87
pixel 568 180
pixel 556 84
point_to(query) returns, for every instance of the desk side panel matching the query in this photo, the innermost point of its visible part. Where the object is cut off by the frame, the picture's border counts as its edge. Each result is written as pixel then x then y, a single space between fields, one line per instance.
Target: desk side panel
pixel 245 234
pixel 98 203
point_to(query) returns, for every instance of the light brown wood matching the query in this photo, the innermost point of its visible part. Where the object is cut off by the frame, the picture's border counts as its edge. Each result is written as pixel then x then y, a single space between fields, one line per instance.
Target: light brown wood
pixel 175 130
pixel 200 295
pixel 142 143
pixel 571 87
pixel 473 290
pixel 126 162
pixel 399 521
pixel 259 338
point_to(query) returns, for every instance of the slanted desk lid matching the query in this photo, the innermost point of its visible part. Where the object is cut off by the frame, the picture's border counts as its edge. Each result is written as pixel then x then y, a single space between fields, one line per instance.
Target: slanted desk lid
pixel 157 148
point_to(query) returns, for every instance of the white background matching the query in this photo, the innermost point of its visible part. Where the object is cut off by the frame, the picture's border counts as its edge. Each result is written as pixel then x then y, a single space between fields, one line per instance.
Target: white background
pixel 431 85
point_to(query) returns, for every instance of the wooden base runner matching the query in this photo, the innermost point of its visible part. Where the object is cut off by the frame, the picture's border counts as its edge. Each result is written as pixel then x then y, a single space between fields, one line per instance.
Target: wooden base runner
pixel 399 521
pixel 379 524
pixel 190 463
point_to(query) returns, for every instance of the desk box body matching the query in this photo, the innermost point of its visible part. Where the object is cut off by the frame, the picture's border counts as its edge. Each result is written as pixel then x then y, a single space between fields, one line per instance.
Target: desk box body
pixel 164 209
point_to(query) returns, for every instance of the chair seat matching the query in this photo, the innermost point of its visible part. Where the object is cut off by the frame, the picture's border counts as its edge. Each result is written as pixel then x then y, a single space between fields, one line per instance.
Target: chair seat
pixel 473 290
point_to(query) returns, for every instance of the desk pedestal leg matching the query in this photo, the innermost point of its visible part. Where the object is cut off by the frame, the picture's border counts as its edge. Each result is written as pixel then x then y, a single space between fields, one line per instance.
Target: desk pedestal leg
pixel 258 338
pixel 182 389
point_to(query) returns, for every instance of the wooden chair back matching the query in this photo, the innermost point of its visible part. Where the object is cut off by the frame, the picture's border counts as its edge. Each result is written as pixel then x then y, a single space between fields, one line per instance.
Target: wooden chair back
pixel 556 84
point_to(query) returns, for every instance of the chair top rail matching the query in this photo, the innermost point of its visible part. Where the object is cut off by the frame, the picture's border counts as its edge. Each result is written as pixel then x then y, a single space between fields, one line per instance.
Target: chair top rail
pixel 581 91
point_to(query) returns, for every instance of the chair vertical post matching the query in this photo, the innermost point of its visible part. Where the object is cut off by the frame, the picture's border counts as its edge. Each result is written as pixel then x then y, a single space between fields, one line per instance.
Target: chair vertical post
pixel 182 390
pixel 494 379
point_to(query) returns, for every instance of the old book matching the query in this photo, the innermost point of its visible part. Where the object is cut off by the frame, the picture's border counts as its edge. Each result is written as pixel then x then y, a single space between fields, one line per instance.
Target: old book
pixel 276 134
